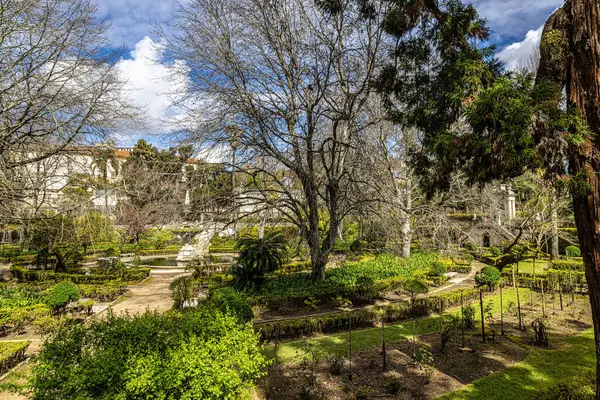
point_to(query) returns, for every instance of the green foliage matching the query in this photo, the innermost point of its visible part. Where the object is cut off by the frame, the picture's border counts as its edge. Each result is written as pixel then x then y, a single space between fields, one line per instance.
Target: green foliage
pixel 496 252
pixel 573 251
pixel 468 317
pixel 488 276
pixel 11 353
pixel 387 271
pixel 28 275
pixel 437 269
pixel 414 287
pixel 257 257
pixel 470 246
pixel 160 238
pixel 228 299
pixel 200 354
pixel 62 294
pixel 181 291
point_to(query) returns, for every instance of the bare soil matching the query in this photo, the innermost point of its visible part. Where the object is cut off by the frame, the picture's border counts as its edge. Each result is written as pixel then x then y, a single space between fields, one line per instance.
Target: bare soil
pixel 449 369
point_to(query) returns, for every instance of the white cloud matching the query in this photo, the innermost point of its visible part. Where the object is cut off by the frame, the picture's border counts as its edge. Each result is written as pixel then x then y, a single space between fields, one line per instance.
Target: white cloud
pixel 522 54
pixel 152 86
pixel 510 19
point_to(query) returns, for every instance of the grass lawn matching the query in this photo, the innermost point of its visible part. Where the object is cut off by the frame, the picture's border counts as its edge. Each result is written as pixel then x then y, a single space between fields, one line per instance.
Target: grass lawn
pixel 337 344
pixel 540 370
pixel 526 266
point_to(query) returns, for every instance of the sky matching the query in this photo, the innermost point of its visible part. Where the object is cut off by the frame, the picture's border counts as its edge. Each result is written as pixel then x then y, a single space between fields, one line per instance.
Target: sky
pixel 516 29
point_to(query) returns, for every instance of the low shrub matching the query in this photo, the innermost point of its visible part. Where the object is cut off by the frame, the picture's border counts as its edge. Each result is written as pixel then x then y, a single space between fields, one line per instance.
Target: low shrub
pixel 470 246
pixel 181 291
pixel 361 318
pixel 496 252
pixel 105 292
pixel 62 294
pixel 132 275
pixel 17 318
pixel 572 251
pixel 574 265
pixel 198 354
pixel 46 324
pixel 438 269
pixel 229 299
pixel 11 353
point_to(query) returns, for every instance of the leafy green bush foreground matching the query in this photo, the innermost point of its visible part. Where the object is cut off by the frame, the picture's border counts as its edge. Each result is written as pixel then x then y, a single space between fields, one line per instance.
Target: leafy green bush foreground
pixel 201 354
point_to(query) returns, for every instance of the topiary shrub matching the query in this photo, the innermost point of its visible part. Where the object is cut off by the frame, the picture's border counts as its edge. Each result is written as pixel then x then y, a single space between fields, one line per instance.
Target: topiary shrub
pixel 62 294
pixel 488 276
pixel 573 251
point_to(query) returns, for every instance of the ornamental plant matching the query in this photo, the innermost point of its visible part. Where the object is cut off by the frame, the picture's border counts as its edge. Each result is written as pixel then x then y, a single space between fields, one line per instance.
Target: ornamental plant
pixel 198 354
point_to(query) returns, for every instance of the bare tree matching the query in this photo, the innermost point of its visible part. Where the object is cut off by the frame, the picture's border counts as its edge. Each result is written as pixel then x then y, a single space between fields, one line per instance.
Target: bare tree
pixel 293 81
pixel 58 86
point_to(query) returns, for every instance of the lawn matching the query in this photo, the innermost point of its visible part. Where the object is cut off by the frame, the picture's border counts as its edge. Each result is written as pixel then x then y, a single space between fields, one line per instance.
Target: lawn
pixel 526 266
pixel 337 344
pixel 540 370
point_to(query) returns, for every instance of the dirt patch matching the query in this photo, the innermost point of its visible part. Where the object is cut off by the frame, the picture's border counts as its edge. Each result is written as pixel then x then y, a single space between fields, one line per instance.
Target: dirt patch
pixel 459 364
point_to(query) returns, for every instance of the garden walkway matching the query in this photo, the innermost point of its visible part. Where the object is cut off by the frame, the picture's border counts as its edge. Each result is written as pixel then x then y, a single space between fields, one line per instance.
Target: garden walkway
pixel 153 294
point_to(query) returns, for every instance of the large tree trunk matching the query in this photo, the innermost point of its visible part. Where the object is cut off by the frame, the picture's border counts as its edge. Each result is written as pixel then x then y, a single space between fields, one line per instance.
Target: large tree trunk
pixel 583 93
pixel 554 221
pixel 570 56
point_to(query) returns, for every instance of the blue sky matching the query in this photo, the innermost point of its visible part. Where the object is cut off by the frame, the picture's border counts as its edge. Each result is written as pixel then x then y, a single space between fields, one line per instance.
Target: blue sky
pixel 516 26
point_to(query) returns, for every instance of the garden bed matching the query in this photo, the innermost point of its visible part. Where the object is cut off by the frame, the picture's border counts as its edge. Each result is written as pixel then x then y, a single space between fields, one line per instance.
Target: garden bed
pixel 11 353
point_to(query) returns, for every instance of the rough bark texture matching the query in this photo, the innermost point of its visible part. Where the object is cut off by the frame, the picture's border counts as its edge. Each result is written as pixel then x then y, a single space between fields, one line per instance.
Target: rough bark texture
pixel 570 50
pixel 583 92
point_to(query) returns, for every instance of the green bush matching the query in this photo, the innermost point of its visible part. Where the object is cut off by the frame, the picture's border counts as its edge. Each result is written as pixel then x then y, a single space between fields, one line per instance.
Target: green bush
pixel 488 276
pixel 198 354
pixel 11 353
pixel 23 274
pixel 573 251
pixel 468 258
pixel 229 299
pixel 181 291
pixel 437 269
pixel 496 252
pixel 62 294
pixel 470 246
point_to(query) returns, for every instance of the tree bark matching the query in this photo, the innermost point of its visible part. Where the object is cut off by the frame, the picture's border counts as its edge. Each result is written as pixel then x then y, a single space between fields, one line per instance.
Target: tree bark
pixel 574 62
pixel 406 228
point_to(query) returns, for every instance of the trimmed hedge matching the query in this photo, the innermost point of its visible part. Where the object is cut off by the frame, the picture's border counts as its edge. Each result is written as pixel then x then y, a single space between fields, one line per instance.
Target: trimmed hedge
pixel 362 318
pixel 16 318
pixel 108 291
pixel 574 265
pixel 131 275
pixel 222 249
pixel 12 353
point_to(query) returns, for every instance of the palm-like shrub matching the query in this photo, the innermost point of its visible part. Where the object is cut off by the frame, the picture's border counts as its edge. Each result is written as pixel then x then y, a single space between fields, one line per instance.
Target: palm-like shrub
pixel 258 256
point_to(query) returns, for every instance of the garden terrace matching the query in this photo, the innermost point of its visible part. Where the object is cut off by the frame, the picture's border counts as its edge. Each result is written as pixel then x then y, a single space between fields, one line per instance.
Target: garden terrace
pixel 357 282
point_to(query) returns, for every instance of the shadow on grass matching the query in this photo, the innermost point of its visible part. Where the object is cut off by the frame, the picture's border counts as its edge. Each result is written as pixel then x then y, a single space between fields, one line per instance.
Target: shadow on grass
pixel 538 371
